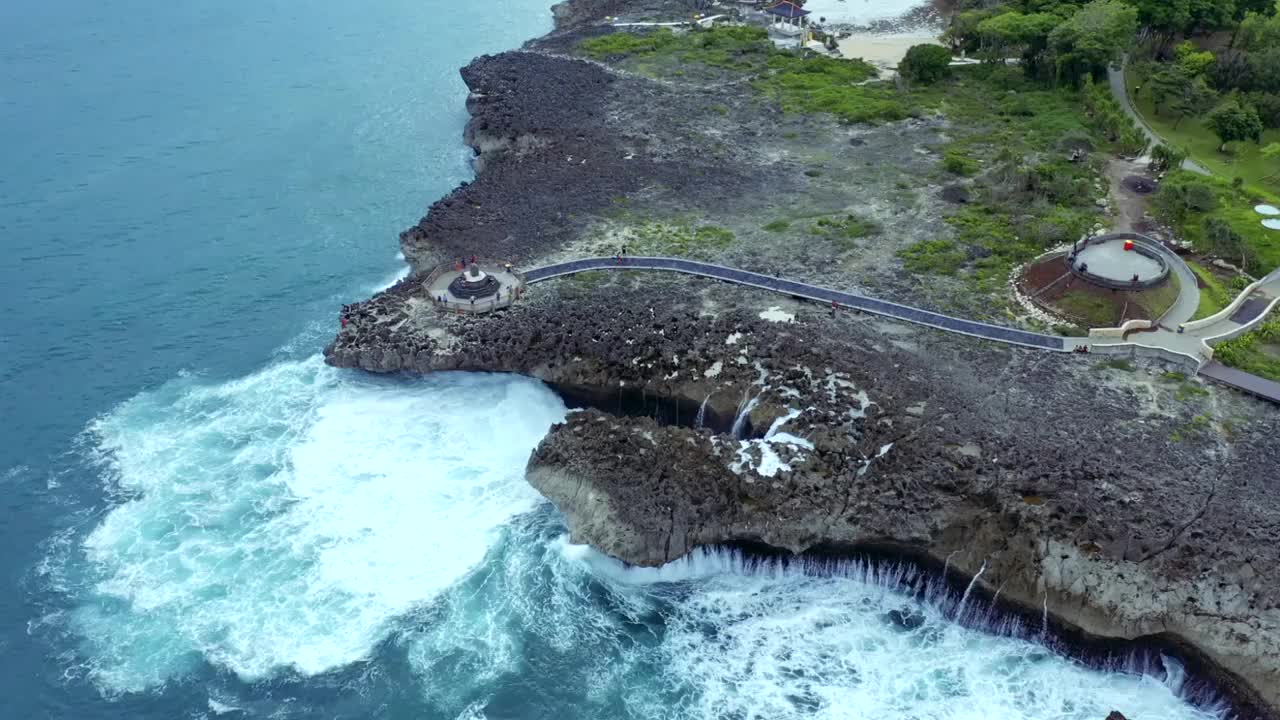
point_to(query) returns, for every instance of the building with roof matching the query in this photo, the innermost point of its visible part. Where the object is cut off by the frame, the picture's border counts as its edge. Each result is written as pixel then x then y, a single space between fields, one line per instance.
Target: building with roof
pixel 790 22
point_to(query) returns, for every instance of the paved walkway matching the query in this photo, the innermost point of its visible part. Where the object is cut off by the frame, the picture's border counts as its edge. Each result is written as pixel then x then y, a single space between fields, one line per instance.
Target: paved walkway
pixel 826 296
pixel 1188 344
pixel 1248 313
pixel 1121 94
pixel 1246 382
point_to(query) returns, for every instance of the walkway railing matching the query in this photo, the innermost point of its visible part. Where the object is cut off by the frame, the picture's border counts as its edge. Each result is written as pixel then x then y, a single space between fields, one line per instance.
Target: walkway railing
pixel 998 333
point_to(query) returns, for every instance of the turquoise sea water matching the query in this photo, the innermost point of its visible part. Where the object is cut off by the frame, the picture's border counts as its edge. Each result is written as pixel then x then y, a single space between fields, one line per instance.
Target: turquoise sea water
pixel 200 519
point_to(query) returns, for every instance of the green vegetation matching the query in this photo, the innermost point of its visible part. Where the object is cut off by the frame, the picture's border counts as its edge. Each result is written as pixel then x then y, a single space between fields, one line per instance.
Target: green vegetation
pixel 843 231
pixel 817 83
pixel 675 237
pixel 1220 101
pixel 1228 96
pixel 1196 427
pixel 1111 120
pixel 1186 388
pixel 1189 390
pixel 586 281
pixel 937 257
pixel 925 64
pixel 1257 352
pixel 1218 217
pixel 1198 141
pixel 1117 364
pixel 799 83
pixel 1057 40
pixel 1089 308
pixel 955 161
pixel 1156 301
pixel 777 226
pixel 729 47
pixel 1214 296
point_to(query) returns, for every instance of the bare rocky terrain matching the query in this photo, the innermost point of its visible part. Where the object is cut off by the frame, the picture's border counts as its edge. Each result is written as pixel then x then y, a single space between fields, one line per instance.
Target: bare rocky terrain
pixel 1124 501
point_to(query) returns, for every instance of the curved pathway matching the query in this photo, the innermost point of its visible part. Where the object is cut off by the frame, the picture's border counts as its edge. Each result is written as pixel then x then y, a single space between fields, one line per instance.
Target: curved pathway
pixel 1184 308
pixel 1121 93
pixel 906 313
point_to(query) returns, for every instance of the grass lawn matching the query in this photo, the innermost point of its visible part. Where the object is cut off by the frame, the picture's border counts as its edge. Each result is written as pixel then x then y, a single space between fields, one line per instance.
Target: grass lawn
pixel 1214 296
pixel 1257 353
pixel 1235 207
pixel 1088 308
pixel 1157 301
pixel 1197 139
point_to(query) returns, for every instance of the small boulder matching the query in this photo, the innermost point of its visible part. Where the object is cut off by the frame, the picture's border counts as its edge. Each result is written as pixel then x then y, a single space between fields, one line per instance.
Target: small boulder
pixel 908 619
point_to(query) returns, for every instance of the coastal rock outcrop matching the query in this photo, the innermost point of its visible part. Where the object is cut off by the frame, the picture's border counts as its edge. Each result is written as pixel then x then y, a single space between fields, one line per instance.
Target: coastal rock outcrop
pixel 1126 503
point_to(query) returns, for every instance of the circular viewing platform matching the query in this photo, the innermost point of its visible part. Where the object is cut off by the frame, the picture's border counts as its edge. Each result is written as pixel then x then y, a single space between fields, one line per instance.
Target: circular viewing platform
pixel 1120 262
pixel 479 287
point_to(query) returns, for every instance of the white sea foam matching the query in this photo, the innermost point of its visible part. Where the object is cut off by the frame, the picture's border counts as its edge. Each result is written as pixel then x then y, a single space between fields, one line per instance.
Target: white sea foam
pixel 759 640
pixel 394 278
pixel 284 520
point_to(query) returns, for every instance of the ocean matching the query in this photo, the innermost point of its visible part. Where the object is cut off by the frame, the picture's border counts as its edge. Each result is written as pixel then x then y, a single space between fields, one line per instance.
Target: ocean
pixel 202 520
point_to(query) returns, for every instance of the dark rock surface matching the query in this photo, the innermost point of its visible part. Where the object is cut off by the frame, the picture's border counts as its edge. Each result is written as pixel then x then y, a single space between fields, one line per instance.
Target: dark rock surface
pixel 1111 499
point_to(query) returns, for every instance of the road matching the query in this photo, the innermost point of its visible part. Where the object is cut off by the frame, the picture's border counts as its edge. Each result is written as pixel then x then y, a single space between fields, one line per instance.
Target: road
pixel 826 296
pixel 1121 93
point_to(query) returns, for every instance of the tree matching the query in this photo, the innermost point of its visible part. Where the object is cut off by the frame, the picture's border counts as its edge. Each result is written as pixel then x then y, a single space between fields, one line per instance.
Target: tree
pixel 1195 98
pixel 1209 15
pixel 1093 38
pixel 1191 59
pixel 1178 199
pixel 1166 17
pixel 1164 158
pixel 962 34
pixel 1015 33
pixel 1177 91
pixel 1246 9
pixel 1272 152
pixel 925 64
pixel 1264 70
pixel 1232 121
pixel 1259 31
pixel 1224 241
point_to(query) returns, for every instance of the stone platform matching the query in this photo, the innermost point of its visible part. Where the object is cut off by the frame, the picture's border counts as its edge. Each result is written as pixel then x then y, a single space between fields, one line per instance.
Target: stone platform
pixel 449 295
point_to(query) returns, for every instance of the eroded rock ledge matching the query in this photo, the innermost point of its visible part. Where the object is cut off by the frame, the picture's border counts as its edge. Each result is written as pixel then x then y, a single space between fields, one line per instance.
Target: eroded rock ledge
pixel 1123 504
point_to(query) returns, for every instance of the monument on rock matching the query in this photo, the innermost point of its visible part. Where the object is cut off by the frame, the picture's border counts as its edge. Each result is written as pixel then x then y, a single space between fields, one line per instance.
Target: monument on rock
pixel 473 284
pixel 474 287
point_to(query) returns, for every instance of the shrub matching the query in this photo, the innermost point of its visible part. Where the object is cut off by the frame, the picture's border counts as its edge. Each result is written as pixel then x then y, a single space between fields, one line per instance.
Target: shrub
pixel 956 162
pixel 1164 158
pixel 926 64
pixel 850 227
pixel 941 257
pixel 1222 240
pixel 1176 200
pixel 626 43
pixel 1268 107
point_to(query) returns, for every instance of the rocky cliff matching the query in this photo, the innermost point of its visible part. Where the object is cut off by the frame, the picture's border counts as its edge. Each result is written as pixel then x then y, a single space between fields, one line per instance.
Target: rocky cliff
pixel 1125 502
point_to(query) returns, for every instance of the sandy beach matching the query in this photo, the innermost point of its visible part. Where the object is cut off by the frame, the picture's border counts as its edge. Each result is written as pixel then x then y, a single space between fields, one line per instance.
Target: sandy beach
pixel 883 51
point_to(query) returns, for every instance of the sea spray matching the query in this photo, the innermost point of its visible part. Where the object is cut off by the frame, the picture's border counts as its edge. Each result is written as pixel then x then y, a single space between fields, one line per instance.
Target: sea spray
pixel 762 638
pixel 969 588
pixel 744 411
pixel 284 519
